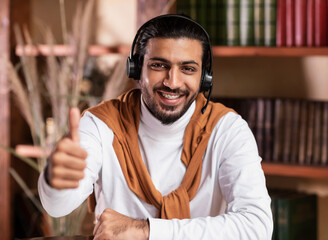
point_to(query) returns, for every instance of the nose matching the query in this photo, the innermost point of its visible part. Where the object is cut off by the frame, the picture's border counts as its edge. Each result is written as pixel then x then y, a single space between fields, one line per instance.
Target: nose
pixel 172 80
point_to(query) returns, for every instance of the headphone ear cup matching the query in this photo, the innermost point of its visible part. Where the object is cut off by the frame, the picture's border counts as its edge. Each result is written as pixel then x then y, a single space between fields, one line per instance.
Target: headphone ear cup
pixel 132 67
pixel 207 82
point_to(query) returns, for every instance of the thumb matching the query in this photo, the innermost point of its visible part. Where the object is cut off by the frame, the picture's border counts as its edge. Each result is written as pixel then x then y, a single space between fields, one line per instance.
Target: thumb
pixel 74 121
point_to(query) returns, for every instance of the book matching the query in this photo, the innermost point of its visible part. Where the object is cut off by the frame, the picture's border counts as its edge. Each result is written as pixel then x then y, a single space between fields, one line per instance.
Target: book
pixel 296 215
pixel 183 7
pixel 317 133
pixel 295 131
pixel 270 9
pixel 287 128
pixel 302 134
pixel 193 9
pixel 300 23
pixel 232 22
pixel 260 125
pixel 201 13
pixel 251 115
pixel 221 23
pixel 310 31
pixel 268 129
pixel 320 22
pixel 246 26
pixel 290 23
pixel 281 23
pixel 259 22
pixel 310 133
pixel 211 16
pixel 324 135
pixel 277 130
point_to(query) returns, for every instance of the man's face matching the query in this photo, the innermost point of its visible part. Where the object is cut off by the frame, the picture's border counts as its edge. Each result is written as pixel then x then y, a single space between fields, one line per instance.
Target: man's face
pixel 170 77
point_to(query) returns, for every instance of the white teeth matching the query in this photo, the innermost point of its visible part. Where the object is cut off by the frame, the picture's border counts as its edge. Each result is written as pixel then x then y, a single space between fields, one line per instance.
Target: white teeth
pixel 170 96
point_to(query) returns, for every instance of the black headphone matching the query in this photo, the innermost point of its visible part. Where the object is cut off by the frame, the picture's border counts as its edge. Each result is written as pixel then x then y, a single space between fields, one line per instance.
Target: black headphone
pixel 133 66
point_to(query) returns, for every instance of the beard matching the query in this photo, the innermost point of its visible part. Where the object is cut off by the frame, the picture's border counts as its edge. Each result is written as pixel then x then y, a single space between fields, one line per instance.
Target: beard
pixel 166 114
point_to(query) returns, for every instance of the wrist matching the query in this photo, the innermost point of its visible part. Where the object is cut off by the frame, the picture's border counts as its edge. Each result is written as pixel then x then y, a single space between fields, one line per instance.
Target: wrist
pixel 142 229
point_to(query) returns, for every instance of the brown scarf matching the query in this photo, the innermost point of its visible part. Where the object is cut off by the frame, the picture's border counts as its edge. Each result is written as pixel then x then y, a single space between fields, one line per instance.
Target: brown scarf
pixel 122 117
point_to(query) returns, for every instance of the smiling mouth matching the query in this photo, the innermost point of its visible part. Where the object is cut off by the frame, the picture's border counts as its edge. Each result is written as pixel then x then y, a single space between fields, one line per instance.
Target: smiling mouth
pixel 170 96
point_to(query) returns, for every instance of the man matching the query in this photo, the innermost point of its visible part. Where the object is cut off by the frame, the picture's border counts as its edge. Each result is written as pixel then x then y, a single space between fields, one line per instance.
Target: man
pixel 163 166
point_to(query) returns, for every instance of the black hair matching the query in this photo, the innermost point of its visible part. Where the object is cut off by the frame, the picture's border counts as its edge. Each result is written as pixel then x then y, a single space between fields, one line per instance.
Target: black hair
pixel 172 27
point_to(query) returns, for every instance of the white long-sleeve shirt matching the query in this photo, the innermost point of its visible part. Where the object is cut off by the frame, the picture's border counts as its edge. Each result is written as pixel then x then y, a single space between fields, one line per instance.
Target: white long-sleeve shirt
pixel 232 201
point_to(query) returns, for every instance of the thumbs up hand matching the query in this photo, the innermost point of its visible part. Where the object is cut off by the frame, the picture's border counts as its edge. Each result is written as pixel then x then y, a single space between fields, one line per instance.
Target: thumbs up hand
pixel 67 163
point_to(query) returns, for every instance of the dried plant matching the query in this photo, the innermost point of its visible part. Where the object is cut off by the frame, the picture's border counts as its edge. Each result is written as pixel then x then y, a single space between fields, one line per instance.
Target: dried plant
pixel 59 86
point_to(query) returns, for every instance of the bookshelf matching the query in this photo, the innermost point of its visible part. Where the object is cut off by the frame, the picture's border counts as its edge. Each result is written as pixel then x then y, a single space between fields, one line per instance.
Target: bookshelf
pixel 295 171
pixel 223 51
pixel 218 51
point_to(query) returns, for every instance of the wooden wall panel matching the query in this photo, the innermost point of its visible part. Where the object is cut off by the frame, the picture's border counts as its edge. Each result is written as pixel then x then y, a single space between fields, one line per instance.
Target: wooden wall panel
pixel 5 220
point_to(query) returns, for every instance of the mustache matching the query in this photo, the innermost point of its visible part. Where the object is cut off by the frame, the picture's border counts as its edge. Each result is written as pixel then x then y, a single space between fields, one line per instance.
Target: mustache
pixel 169 90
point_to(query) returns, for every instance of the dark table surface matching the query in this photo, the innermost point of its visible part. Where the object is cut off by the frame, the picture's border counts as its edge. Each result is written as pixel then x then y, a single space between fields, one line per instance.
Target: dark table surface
pixel 61 238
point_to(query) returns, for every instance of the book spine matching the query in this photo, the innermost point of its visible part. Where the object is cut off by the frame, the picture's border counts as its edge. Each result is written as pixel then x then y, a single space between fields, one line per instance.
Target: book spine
pixel 270 7
pixel 310 27
pixel 290 23
pixel 287 131
pixel 300 23
pixel 302 136
pixel 183 7
pixel 232 22
pixel 283 218
pixel 259 124
pixel 212 20
pixel 310 133
pixel 221 24
pixel 193 9
pixel 268 122
pixel 277 130
pixel 320 22
pixel 202 14
pixel 259 22
pixel 281 23
pixel 295 131
pixel 324 136
pixel 317 133
pixel 246 22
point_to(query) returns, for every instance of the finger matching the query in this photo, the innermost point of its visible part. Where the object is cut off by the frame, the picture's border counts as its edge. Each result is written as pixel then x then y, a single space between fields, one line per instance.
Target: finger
pixel 69 147
pixel 67 174
pixel 64 184
pixel 74 121
pixel 68 161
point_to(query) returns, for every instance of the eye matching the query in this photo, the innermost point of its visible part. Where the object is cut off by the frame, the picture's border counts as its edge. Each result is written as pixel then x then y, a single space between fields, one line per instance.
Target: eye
pixel 188 69
pixel 158 66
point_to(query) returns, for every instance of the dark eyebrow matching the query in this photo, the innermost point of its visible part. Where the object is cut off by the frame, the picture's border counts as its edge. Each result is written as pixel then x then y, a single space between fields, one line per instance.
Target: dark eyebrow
pixel 166 61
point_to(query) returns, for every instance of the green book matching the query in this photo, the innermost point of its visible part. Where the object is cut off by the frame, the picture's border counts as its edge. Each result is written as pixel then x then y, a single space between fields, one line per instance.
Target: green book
pixel 183 7
pixel 212 20
pixel 201 13
pixel 221 22
pixel 193 9
pixel 232 22
pixel 296 216
pixel 246 22
pixel 270 9
pixel 259 22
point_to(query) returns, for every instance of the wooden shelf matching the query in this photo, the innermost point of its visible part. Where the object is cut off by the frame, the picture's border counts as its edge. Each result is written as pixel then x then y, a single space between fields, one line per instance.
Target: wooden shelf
pixel 295 170
pixel 223 51
pixel 64 50
pixel 218 51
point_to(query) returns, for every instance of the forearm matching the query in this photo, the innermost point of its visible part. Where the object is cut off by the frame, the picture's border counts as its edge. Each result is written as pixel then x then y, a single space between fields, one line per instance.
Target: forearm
pixel 60 202
pixel 238 225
